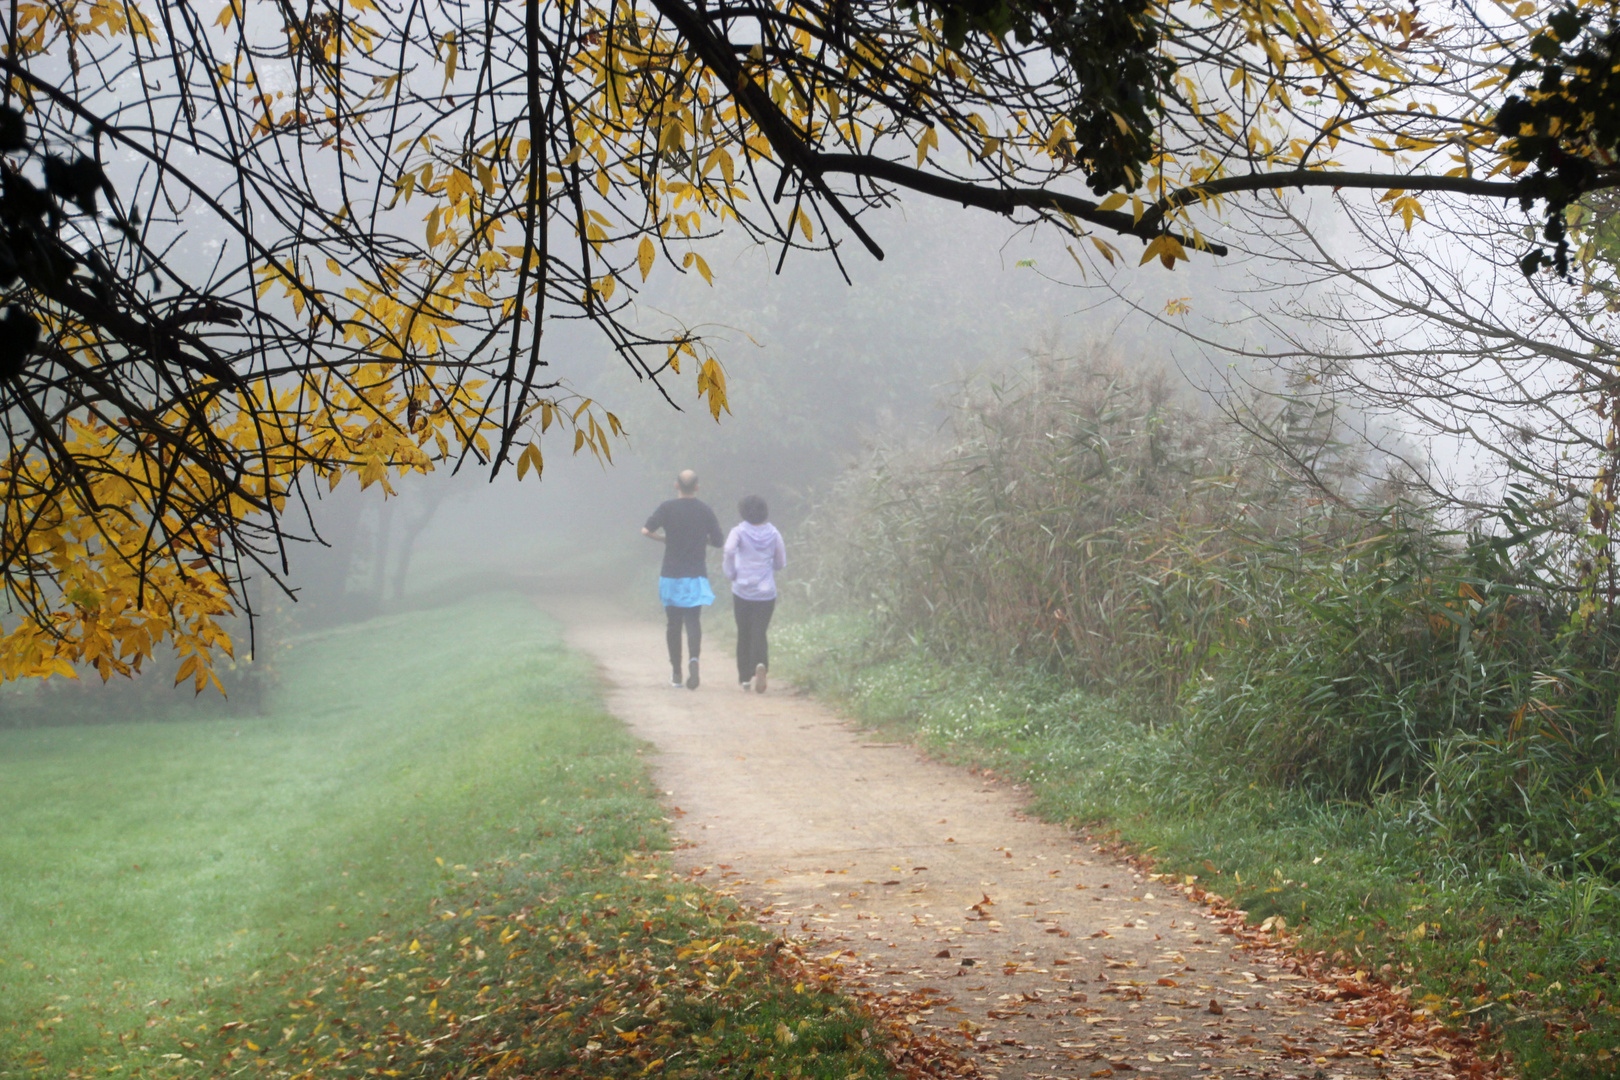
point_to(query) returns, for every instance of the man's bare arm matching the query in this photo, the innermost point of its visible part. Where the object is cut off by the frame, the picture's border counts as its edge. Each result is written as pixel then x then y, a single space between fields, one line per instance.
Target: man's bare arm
pixel 649 534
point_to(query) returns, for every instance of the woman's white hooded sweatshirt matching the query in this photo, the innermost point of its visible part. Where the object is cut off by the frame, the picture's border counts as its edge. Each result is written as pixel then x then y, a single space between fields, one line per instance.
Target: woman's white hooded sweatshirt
pixel 753 555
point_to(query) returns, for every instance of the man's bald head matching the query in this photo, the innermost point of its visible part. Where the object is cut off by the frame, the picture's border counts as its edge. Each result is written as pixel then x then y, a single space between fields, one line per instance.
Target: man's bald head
pixel 686 482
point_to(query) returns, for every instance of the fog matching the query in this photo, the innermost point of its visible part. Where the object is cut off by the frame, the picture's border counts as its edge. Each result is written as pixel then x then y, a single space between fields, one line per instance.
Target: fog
pixel 816 370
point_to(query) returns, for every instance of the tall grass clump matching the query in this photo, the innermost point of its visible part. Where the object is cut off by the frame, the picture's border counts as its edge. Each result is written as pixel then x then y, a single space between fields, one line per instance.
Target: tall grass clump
pixel 1294 625
pixel 1070 519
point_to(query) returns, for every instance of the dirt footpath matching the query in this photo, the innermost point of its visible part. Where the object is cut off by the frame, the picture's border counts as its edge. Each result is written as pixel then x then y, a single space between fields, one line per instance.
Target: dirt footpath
pixel 1011 936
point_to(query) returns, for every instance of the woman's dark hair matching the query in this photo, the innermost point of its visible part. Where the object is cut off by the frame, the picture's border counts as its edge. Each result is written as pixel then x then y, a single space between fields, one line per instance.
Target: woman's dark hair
pixel 752 509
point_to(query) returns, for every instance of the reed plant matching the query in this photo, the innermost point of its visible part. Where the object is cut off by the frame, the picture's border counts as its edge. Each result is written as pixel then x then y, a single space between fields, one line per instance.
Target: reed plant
pixel 1070 520
pixel 1294 627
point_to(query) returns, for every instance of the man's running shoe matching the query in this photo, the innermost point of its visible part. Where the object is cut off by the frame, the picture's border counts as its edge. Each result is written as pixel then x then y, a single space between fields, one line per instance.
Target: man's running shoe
pixel 675 678
pixel 759 678
pixel 692 674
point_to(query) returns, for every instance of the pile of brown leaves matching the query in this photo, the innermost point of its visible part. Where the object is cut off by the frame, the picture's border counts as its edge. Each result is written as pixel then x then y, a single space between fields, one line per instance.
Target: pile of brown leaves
pixel 1381 1010
pixel 915 1053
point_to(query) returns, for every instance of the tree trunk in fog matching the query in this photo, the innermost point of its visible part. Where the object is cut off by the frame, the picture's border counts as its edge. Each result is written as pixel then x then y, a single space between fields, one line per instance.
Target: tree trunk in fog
pixel 432 495
pixel 321 571
pixel 379 548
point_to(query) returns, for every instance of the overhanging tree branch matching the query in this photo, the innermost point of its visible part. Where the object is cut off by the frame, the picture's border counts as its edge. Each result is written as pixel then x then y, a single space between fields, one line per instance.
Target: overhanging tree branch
pixel 1304 178
pixel 1002 200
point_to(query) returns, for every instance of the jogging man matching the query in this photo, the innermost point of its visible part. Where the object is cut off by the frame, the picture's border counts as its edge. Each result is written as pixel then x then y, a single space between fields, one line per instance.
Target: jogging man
pixel 689 529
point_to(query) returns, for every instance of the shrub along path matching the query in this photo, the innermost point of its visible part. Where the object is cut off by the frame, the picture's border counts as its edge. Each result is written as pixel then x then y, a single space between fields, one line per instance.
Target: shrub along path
pixel 930 887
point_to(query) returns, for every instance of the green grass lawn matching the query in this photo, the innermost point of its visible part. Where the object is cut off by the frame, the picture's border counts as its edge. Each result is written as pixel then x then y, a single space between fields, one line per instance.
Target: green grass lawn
pixel 175 895
pixel 143 861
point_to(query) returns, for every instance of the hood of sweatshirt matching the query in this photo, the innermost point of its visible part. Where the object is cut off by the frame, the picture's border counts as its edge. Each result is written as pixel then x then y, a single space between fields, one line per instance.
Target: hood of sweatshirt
pixel 756 538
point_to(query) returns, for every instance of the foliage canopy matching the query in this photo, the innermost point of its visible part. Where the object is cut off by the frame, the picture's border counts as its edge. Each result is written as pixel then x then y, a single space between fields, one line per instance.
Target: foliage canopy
pixel 249 247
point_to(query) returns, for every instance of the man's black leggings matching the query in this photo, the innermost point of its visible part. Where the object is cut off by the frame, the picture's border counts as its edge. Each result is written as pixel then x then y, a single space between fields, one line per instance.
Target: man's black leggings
pixel 693 618
pixel 753 619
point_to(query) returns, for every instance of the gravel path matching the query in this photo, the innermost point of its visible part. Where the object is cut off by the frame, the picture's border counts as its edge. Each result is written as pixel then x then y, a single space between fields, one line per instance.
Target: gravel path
pixel 1012 937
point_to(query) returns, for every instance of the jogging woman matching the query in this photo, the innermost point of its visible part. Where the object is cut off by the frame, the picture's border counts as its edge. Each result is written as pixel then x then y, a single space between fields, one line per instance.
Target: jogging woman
pixel 753 554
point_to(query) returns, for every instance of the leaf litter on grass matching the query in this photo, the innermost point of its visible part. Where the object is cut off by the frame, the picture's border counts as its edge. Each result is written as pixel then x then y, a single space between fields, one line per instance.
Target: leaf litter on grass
pixel 620 971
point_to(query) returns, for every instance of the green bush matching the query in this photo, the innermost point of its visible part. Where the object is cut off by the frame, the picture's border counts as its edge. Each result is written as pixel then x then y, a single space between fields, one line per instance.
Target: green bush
pixel 1078 519
pixel 1091 526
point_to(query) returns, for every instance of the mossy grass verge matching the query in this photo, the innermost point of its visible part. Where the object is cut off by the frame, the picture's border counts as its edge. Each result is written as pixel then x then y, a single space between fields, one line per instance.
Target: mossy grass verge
pixel 602 965
pixel 1494 943
pixel 433 855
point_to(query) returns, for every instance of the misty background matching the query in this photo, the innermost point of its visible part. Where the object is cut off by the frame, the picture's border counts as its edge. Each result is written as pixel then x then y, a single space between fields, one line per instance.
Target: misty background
pixel 819 370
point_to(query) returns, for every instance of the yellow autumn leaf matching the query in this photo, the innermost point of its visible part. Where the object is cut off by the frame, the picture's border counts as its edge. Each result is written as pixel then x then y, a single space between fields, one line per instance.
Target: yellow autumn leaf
pixel 458 187
pixel 712 381
pixel 645 255
pixel 530 459
pixel 719 156
pixel 1407 208
pixel 372 472
pixel 1167 249
pixel 692 258
pixel 929 140
pixel 450 57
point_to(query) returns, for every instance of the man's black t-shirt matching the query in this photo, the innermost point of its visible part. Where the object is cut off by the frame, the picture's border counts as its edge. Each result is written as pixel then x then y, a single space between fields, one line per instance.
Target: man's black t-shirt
pixel 688 526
